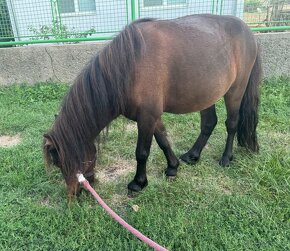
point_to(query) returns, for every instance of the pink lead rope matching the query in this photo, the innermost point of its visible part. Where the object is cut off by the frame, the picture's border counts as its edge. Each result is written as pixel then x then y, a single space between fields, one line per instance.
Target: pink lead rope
pixel 82 180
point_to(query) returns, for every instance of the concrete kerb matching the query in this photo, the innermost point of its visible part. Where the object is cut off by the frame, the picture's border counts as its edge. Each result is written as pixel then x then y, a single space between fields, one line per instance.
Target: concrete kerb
pixel 62 63
pixel 275 53
pixel 44 63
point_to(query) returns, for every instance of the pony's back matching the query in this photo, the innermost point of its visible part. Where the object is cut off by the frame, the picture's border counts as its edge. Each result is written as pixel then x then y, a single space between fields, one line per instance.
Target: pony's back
pixel 189 56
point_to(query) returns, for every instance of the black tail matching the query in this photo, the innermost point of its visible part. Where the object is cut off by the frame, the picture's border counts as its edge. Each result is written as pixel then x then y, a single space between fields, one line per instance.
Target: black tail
pixel 248 115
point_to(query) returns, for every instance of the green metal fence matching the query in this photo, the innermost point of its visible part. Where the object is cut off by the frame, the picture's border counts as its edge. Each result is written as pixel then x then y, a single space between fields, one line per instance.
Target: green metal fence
pixel 47 21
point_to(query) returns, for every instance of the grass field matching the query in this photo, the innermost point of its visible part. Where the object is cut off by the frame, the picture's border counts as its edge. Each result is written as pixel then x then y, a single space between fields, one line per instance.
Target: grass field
pixel 243 207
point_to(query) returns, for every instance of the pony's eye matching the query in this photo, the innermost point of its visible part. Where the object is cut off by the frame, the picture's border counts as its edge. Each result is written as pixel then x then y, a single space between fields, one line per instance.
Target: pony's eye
pixel 54 156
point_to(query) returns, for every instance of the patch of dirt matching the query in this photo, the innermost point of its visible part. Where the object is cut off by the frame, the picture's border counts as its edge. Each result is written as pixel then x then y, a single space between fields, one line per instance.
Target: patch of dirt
pixel 131 127
pixel 224 187
pixel 277 135
pixel 115 171
pixel 119 200
pixel 45 202
pixel 9 141
pixel 220 184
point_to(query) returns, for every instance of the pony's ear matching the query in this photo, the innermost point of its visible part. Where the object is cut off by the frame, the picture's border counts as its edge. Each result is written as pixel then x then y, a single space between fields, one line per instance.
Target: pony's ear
pixel 47 140
pixel 47 145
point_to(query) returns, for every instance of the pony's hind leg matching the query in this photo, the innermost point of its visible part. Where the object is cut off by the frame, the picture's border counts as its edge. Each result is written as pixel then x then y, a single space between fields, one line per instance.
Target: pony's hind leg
pixel 232 105
pixel 208 123
pixel 162 141
pixel 146 127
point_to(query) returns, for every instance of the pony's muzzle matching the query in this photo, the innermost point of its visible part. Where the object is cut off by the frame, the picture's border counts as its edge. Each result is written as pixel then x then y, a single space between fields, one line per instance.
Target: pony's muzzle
pixel 75 187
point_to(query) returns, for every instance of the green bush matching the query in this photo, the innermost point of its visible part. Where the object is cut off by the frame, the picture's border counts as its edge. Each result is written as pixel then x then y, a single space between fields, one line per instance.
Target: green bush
pixel 56 31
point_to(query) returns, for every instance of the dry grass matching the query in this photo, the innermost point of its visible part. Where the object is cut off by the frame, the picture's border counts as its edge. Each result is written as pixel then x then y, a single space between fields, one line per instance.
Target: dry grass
pixel 9 141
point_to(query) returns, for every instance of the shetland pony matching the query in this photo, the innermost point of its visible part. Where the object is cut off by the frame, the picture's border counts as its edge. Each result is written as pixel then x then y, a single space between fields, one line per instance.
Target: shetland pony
pixel 153 66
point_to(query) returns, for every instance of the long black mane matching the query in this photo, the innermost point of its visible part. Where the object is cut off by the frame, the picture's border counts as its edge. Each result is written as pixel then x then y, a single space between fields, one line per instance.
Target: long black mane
pixel 98 94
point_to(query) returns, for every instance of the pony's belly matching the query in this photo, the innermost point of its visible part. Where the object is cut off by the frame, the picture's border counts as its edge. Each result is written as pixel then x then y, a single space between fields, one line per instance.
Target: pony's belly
pixel 192 103
pixel 187 108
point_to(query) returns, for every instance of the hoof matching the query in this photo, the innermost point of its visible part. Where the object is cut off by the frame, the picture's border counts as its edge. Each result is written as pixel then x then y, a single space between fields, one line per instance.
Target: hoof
pixel 225 161
pixel 171 178
pixel 171 172
pixel 135 186
pixel 189 159
pixel 132 194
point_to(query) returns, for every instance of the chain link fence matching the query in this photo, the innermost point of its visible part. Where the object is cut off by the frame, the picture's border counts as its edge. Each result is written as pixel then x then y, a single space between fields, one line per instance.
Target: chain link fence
pixel 267 13
pixel 44 21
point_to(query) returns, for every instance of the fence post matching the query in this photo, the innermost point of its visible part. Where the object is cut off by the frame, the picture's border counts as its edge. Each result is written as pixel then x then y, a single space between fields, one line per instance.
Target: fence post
pixel 221 7
pixel 59 22
pixel 217 7
pixel 133 10
pixel 52 4
pixel 56 19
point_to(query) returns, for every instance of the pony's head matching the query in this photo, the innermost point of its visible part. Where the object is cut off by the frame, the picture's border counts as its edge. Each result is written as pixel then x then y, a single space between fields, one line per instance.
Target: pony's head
pixel 62 156
pixel 98 95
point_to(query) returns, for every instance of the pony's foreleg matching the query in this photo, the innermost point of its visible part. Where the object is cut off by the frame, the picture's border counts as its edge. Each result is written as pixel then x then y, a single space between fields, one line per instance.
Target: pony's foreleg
pixel 146 126
pixel 162 141
pixel 208 123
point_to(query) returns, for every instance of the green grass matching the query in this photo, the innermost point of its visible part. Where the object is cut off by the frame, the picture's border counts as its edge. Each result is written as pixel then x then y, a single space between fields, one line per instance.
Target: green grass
pixel 243 207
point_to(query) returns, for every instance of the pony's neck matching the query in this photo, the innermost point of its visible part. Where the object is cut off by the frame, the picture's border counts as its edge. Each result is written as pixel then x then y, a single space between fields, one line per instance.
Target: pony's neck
pixel 105 124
